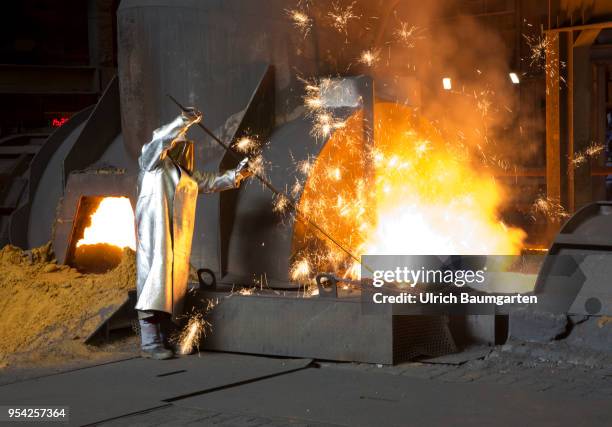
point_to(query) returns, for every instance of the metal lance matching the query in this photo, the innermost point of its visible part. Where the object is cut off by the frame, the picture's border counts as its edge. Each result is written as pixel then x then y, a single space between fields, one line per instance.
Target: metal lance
pixel 238 157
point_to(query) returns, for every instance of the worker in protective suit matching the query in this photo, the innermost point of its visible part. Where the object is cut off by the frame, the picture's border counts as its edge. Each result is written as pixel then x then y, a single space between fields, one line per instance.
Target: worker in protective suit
pixel 165 213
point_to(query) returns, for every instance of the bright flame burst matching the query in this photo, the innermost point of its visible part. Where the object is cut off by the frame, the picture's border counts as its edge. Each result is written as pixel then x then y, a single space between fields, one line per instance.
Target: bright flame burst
pixel 412 193
pixel 112 223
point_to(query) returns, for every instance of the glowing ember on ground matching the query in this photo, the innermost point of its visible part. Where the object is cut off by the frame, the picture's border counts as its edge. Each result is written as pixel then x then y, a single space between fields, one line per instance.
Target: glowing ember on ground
pixel 111 223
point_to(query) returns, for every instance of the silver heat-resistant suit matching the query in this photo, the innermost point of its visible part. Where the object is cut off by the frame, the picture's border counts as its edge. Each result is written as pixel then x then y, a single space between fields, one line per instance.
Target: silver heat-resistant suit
pixel 165 213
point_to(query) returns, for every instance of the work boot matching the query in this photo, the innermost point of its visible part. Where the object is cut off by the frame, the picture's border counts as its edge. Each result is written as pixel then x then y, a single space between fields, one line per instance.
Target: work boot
pixel 152 346
pixel 157 353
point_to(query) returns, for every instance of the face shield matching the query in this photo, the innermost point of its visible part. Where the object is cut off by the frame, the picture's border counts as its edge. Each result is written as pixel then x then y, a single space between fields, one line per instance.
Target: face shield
pixel 182 155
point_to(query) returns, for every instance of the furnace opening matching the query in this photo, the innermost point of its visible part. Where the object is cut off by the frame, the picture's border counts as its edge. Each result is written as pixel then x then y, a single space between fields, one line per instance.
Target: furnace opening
pixel 103 227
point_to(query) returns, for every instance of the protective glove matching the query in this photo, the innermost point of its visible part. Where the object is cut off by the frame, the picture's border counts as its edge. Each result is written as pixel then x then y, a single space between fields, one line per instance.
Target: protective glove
pixel 192 115
pixel 242 170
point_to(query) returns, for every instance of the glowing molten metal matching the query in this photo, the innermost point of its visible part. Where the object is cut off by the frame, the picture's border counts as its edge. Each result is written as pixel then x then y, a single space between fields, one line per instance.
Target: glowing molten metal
pixel 419 195
pixel 112 223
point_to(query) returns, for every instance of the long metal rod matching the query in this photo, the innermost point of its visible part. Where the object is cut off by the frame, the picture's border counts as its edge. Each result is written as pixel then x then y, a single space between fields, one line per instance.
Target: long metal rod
pixel 272 188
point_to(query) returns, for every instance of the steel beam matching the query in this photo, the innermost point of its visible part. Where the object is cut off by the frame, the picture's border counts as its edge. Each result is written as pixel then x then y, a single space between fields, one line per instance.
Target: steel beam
pixel 580 120
pixel 553 143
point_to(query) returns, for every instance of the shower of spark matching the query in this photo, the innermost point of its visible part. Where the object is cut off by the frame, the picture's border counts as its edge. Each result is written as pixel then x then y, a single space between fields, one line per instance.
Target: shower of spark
pixel 257 165
pixel 305 166
pixel 549 208
pixel 324 124
pixel 541 47
pixel 300 20
pixel 483 101
pixel 370 57
pixel 245 144
pixel 296 188
pixel 313 100
pixel 340 17
pixel 196 329
pixel 589 152
pixel 408 35
pixel 281 204
pixel 300 270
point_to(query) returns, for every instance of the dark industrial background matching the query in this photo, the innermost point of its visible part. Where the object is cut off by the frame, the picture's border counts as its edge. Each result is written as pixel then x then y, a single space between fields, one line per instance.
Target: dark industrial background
pixel 56 58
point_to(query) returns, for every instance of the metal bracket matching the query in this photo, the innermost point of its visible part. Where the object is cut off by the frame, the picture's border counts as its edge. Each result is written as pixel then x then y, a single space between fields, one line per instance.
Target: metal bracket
pixel 212 285
pixel 327 285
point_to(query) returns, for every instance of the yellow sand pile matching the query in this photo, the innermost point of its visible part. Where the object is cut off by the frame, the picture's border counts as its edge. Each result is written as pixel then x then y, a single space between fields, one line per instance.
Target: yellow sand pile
pixel 43 304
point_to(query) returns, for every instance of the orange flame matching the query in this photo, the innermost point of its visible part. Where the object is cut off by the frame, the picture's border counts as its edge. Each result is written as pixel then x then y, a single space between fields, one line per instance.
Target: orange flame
pixel 412 193
pixel 111 223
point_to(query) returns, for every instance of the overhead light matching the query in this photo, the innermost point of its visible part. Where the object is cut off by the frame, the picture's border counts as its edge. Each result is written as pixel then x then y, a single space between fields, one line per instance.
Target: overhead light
pixel 514 78
pixel 446 83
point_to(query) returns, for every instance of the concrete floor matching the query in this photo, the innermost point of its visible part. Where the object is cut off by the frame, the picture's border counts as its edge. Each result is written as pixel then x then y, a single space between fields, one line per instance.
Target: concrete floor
pixel 546 385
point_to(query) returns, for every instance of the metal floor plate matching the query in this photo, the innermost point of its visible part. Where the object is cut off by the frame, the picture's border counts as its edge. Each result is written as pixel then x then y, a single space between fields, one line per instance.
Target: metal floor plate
pixel 356 398
pixel 115 389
